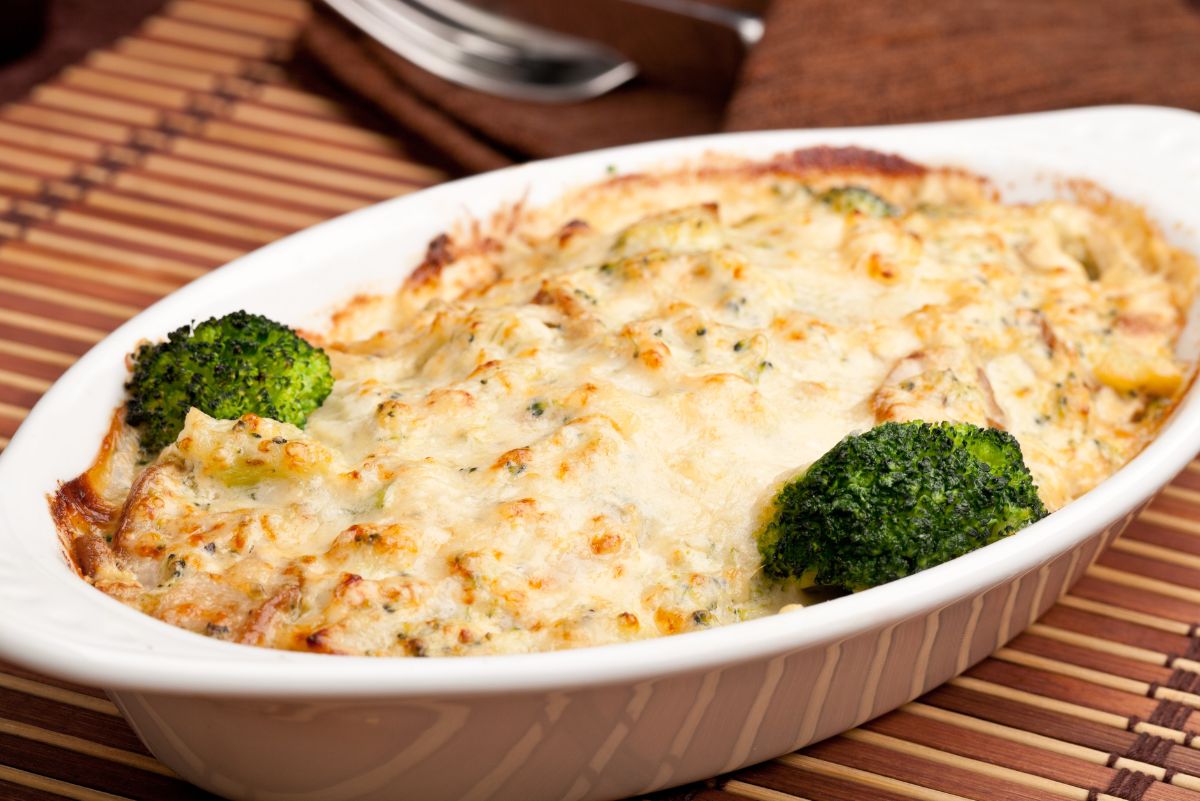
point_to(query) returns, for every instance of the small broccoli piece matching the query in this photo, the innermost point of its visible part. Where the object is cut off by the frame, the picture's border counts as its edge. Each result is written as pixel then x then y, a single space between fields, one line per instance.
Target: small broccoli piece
pixel 225 367
pixel 898 499
pixel 849 199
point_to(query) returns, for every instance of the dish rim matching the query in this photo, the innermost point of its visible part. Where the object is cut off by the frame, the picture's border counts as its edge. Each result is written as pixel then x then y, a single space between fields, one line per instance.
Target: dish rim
pixel 170 660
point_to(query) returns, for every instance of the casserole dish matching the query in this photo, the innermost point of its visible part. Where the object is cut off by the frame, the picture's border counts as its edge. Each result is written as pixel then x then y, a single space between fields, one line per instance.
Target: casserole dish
pixel 590 723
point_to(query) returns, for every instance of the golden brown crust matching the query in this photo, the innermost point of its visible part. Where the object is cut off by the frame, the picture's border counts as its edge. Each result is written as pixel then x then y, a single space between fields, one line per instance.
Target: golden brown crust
pixel 81 516
pixel 443 250
pixel 317 642
pixel 438 254
pixel 259 624
pixel 92 555
pixel 136 496
pixel 569 229
pixel 824 159
pixel 78 509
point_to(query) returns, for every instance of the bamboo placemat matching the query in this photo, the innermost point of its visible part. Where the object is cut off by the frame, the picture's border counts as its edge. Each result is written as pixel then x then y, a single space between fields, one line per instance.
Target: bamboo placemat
pixel 184 145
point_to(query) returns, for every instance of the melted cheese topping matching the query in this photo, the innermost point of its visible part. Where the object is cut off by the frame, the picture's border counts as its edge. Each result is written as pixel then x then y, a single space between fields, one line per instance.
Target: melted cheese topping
pixel 567 432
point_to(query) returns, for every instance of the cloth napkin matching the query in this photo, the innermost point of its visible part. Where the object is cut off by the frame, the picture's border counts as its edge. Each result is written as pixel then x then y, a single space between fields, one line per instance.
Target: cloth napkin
pixel 821 63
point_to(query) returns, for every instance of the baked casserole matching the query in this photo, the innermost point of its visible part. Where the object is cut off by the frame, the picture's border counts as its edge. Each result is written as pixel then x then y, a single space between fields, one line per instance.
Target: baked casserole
pixel 567 426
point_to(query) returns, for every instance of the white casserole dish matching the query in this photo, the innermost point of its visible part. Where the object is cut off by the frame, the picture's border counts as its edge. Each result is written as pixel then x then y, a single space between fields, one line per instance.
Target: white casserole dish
pixel 593 723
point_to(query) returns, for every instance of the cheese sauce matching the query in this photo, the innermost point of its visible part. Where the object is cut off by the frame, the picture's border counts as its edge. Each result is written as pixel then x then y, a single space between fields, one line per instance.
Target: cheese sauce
pixel 567 426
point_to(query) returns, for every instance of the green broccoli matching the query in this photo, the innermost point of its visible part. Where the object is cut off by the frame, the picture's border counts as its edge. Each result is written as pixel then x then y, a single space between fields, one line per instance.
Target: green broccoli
pixel 848 199
pixel 226 367
pixel 895 500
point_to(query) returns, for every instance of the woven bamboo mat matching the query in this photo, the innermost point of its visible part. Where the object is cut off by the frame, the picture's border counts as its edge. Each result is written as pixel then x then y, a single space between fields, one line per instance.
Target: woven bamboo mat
pixel 183 145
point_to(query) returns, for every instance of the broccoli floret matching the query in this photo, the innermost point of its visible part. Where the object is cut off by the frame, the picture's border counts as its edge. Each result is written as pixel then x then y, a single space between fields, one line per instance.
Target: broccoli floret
pixel 226 367
pixel 895 500
pixel 848 199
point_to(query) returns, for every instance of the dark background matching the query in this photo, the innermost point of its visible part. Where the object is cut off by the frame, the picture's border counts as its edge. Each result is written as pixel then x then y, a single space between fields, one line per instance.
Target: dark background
pixel 71 28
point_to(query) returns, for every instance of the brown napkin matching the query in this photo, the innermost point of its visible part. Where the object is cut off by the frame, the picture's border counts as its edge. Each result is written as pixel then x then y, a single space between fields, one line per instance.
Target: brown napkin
pixel 821 63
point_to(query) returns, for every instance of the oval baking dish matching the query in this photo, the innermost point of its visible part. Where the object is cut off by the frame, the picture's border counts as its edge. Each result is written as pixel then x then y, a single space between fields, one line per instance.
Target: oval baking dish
pixel 591 723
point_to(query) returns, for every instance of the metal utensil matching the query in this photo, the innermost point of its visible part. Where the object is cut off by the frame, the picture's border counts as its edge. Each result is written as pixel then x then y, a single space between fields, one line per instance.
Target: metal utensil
pixel 482 50
pixel 489 52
